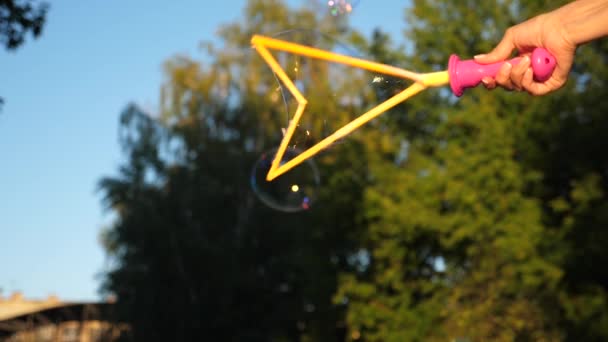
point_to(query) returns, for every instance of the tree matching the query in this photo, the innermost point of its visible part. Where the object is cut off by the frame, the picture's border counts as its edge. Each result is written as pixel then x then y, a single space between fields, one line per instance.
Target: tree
pixel 474 219
pixel 484 234
pixel 196 255
pixel 564 144
pixel 17 19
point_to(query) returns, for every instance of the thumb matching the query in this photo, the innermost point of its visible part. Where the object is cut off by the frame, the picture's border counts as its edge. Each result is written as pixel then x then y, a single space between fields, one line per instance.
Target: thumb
pixel 501 52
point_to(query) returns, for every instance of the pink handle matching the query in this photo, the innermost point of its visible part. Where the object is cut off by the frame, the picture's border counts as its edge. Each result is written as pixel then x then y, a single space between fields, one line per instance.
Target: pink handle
pixel 468 73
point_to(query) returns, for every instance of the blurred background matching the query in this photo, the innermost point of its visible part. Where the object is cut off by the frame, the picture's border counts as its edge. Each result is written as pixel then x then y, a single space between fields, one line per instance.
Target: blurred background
pixel 133 136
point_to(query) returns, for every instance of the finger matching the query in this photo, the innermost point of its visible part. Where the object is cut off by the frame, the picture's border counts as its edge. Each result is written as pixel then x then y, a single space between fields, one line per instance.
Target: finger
pixel 518 71
pixel 538 89
pixel 527 81
pixel 488 82
pixel 533 87
pixel 562 70
pixel 501 52
pixel 503 77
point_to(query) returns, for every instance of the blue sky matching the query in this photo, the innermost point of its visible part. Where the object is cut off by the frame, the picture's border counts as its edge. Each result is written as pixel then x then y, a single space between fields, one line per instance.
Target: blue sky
pixel 58 127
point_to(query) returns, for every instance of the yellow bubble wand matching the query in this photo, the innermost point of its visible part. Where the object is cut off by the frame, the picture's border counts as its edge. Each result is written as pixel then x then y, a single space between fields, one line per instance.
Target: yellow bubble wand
pixel 460 75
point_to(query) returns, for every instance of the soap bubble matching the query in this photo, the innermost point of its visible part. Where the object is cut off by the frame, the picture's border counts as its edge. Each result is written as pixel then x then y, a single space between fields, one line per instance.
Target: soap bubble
pixel 292 191
pixel 341 7
pixel 336 94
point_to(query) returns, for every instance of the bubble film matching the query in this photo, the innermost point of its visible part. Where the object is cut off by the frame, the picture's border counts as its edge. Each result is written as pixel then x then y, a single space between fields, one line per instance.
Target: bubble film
pixel 341 7
pixel 336 94
pixel 333 91
pixel 293 191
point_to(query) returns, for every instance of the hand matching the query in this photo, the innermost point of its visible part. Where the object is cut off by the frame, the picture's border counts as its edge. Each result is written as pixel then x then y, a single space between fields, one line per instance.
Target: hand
pixel 542 31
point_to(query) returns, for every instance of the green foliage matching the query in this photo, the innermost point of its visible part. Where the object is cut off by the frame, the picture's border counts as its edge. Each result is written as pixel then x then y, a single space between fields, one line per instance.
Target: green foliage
pixel 474 236
pixel 196 255
pixel 475 219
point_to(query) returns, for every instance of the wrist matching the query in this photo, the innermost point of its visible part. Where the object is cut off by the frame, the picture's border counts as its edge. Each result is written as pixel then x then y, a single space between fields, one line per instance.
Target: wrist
pixel 582 21
pixel 562 27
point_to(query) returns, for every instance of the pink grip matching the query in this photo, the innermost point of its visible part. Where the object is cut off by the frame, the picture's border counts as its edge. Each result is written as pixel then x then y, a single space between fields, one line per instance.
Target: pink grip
pixel 468 73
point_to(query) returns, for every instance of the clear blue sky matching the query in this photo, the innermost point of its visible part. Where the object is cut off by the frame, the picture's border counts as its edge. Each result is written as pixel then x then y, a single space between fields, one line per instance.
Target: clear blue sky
pixel 58 128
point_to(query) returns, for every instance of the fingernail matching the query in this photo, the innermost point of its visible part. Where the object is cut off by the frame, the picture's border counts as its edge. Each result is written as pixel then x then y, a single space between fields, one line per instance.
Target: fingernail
pixel 485 80
pixel 479 56
pixel 526 59
pixel 508 65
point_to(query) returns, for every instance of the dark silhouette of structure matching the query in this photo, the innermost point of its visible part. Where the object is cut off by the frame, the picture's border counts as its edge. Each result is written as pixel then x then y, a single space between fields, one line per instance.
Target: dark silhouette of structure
pixel 55 321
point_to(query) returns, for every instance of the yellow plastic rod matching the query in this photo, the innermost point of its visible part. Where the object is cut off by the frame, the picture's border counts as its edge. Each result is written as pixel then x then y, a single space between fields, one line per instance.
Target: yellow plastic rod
pixel 262 44
pixel 344 131
pixel 311 52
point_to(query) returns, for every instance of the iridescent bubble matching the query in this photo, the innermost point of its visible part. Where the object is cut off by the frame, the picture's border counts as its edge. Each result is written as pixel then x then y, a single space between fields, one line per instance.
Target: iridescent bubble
pixel 341 7
pixel 336 94
pixel 293 191
pixel 333 90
